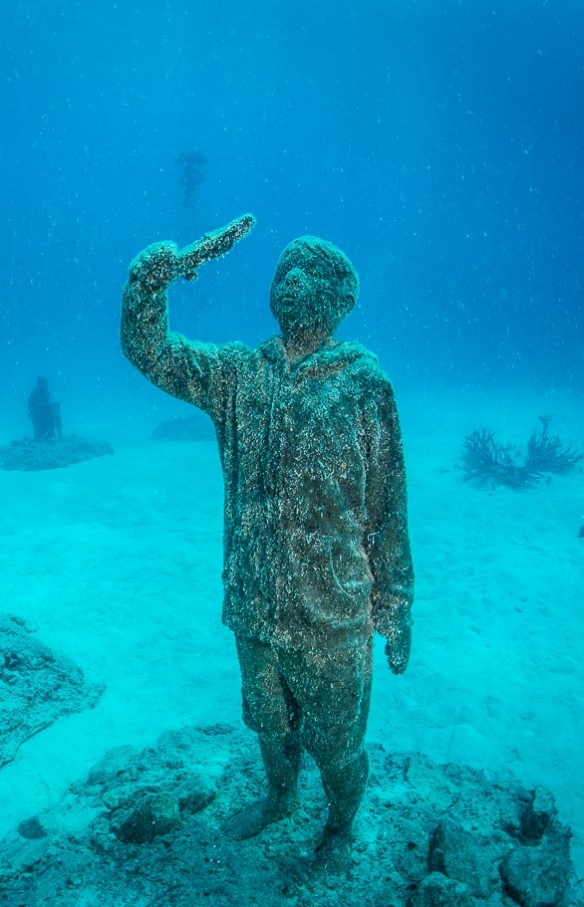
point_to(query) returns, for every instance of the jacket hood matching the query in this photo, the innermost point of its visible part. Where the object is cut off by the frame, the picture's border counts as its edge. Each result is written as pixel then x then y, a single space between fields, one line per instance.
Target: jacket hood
pixel 332 357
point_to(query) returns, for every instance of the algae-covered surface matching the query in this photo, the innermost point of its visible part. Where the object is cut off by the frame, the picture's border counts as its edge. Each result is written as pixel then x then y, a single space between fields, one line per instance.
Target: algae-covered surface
pixel 151 827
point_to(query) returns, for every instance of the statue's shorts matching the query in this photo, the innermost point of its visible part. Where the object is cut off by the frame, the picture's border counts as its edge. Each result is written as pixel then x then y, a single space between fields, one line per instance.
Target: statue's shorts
pixel 324 696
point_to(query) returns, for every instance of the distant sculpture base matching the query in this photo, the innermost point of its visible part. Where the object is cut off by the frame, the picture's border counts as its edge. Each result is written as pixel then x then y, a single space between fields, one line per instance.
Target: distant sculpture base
pixel 28 455
pixel 197 427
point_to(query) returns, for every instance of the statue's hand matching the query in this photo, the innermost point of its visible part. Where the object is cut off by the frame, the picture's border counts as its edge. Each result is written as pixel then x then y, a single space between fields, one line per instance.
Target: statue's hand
pixel 156 267
pixel 160 264
pixel 213 245
pixel 398 647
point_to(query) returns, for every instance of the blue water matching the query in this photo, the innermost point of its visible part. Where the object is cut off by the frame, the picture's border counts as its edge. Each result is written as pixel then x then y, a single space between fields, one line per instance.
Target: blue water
pixel 440 144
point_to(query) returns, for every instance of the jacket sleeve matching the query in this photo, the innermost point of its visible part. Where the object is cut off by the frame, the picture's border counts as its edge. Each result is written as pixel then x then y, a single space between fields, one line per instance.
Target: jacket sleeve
pixel 197 373
pixel 387 540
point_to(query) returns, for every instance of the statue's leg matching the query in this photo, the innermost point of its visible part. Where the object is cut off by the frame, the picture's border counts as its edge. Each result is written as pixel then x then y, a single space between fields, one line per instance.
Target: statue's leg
pixel 334 691
pixel 270 709
pixel 282 758
pixel 344 786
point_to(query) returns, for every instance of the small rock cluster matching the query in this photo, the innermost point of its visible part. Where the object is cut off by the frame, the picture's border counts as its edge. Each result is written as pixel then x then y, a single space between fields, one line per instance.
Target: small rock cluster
pixel 151 831
pixel 142 802
pixel 472 840
pixel 466 866
pixel 197 427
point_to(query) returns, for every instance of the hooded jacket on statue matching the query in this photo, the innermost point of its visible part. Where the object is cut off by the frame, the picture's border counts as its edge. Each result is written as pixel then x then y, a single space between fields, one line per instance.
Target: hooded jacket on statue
pixel 316 543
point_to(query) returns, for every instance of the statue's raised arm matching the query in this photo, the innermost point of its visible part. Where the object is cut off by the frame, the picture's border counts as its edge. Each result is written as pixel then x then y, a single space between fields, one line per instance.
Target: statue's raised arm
pixel 161 263
pixel 186 369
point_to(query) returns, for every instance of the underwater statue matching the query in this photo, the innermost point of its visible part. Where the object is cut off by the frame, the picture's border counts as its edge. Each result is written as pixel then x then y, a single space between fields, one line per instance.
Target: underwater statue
pixel 44 414
pixel 316 546
pixel 192 176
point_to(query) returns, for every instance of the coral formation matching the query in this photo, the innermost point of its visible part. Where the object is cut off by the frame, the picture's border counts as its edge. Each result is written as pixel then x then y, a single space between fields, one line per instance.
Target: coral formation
pixel 488 461
pixel 546 453
pixel 37 686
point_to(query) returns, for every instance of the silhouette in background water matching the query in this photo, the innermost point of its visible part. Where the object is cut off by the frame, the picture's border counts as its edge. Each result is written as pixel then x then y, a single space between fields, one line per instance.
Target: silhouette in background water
pixel 190 163
pixel 44 413
pixel 316 545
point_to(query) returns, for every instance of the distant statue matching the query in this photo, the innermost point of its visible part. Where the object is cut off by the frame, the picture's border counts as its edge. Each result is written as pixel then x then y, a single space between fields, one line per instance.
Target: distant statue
pixel 44 414
pixel 191 162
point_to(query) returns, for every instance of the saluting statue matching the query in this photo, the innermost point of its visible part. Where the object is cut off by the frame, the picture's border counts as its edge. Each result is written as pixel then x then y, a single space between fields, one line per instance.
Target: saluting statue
pixel 316 546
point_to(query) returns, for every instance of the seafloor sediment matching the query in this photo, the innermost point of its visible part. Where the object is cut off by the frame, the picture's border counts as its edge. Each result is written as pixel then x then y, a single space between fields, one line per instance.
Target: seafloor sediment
pixel 28 455
pixel 148 829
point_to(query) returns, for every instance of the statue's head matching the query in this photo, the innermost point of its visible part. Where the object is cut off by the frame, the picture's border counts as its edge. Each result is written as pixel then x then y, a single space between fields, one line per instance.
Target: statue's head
pixel 315 286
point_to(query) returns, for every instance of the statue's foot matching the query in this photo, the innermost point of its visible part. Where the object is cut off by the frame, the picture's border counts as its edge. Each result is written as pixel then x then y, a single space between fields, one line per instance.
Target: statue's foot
pixel 252 819
pixel 334 853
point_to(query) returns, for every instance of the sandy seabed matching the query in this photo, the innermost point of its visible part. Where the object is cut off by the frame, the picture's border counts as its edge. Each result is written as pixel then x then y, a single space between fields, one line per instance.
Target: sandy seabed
pixel 117 562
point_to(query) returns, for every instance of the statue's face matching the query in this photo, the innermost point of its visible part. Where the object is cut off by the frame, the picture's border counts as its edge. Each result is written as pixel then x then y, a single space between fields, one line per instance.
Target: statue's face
pixel 298 301
pixel 307 298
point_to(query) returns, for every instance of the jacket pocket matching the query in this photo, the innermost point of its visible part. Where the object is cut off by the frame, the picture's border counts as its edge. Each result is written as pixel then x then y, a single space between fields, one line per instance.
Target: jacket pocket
pixel 349 573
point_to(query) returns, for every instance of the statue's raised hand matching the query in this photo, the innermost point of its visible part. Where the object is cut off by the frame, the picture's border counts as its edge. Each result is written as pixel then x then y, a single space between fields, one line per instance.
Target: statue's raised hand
pixel 213 245
pixel 160 264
